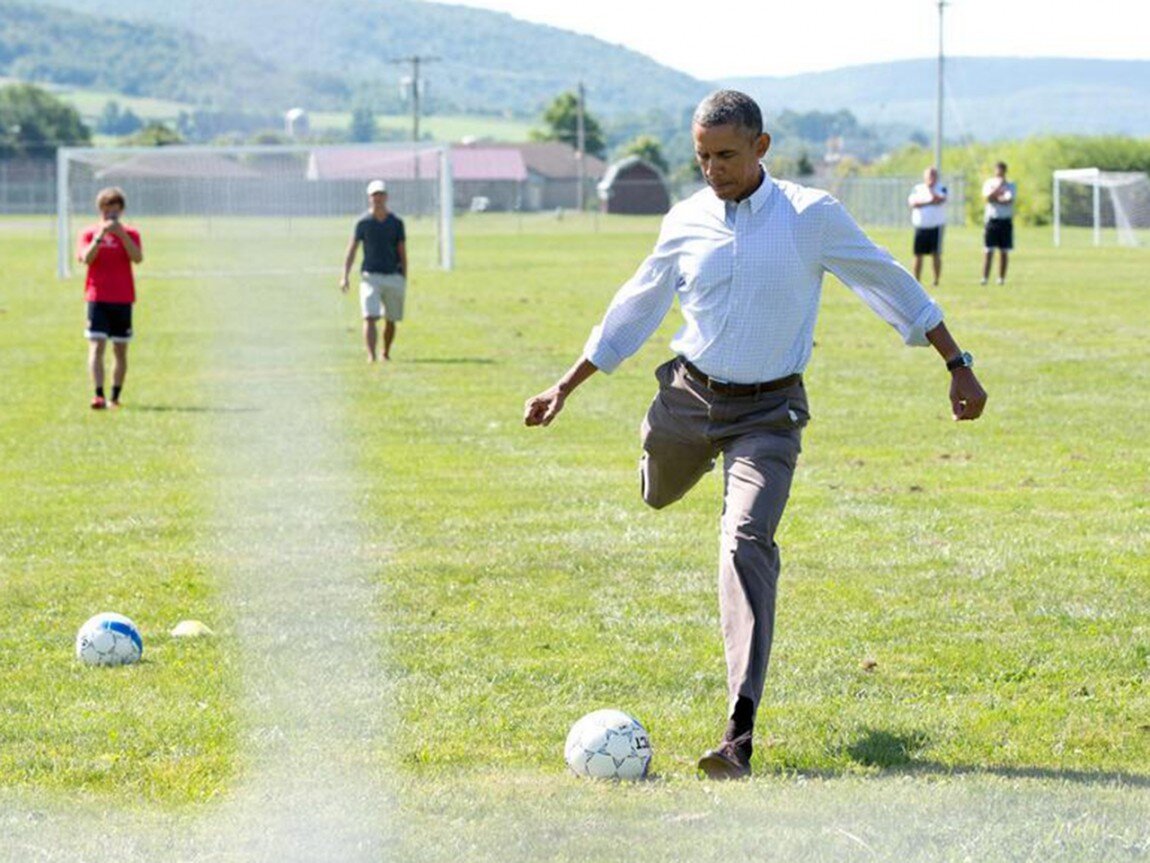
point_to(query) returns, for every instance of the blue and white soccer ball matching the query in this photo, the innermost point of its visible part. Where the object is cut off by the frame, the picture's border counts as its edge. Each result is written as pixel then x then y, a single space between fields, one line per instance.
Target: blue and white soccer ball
pixel 109 639
pixel 608 744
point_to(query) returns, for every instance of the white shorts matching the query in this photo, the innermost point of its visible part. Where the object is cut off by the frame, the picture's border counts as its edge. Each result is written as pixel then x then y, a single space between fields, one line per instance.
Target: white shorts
pixel 382 295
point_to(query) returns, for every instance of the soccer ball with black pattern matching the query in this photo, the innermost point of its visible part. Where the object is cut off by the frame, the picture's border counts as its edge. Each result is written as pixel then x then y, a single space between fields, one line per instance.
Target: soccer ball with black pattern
pixel 109 639
pixel 608 744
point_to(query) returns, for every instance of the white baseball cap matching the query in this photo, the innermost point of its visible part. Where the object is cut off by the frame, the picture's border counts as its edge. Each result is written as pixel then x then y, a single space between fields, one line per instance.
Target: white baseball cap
pixel 376 186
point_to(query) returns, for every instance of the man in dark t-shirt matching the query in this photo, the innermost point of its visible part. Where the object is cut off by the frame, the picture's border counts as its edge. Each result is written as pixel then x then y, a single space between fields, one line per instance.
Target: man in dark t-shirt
pixel 383 275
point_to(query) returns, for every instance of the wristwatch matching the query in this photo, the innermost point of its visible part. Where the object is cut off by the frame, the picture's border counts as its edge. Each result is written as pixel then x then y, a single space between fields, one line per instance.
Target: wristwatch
pixel 962 361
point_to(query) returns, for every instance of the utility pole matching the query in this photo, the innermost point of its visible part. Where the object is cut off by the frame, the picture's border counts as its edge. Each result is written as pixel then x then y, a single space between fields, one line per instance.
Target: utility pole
pixel 416 87
pixel 580 145
pixel 938 103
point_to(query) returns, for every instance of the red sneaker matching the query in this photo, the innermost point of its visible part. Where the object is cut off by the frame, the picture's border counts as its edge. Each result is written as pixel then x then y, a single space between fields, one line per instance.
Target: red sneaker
pixel 98 403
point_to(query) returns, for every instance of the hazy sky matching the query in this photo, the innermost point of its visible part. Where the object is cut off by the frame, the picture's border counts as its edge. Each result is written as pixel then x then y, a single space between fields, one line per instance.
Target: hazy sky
pixel 757 37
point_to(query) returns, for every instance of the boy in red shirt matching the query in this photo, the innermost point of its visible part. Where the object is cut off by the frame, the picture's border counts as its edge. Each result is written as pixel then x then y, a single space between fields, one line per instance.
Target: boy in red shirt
pixel 109 248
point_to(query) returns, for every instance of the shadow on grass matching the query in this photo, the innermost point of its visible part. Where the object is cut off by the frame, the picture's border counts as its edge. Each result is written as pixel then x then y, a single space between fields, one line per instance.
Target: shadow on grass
pixel 453 361
pixel 190 409
pixel 893 752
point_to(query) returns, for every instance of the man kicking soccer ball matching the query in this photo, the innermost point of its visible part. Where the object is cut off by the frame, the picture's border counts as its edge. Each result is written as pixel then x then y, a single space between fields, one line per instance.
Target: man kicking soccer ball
pixel 745 258
pixel 109 248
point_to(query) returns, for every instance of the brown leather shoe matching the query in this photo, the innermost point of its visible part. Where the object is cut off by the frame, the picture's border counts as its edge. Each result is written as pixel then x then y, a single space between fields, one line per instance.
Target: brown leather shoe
pixel 732 759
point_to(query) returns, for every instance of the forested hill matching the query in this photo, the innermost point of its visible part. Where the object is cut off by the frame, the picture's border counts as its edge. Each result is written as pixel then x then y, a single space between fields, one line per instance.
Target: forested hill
pixel 267 55
pixel 487 62
pixel 987 98
pixel 41 43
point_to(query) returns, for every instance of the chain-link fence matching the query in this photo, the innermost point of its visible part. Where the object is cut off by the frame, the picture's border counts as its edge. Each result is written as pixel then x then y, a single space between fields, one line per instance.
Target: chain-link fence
pixel 27 187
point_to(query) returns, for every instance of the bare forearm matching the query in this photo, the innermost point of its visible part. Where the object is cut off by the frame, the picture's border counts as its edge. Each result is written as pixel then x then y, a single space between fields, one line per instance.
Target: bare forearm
pixel 133 250
pixel 576 375
pixel 943 342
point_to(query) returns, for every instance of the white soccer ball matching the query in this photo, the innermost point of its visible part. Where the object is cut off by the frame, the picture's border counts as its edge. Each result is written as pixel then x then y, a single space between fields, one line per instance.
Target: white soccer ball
pixel 608 744
pixel 109 639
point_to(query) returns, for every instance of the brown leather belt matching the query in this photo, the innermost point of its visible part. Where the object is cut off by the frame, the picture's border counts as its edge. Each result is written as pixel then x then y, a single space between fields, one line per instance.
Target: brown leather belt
pixel 725 388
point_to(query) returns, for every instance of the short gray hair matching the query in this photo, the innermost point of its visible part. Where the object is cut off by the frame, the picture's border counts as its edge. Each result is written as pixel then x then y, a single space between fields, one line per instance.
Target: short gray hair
pixel 729 107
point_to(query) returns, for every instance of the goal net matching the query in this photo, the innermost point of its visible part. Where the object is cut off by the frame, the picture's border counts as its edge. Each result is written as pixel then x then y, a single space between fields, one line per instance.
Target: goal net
pixel 1110 204
pixel 245 194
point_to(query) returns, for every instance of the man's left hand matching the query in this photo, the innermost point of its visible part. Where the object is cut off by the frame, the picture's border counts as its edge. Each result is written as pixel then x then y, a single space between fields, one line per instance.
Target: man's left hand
pixel 967 397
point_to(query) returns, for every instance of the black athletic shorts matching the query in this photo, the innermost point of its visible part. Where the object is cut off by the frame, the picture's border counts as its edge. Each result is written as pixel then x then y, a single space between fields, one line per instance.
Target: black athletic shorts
pixel 999 234
pixel 927 241
pixel 110 321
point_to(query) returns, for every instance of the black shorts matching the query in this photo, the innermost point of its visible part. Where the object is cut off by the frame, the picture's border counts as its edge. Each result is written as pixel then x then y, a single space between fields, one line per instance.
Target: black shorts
pixel 110 321
pixel 999 234
pixel 927 241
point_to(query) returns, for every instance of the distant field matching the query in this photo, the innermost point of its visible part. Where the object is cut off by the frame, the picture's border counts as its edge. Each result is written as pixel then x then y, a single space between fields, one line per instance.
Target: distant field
pixel 993 575
pixel 442 128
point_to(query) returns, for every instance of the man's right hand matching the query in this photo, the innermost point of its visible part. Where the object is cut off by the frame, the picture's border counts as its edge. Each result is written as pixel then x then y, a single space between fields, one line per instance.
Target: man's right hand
pixel 541 409
pixel 343 284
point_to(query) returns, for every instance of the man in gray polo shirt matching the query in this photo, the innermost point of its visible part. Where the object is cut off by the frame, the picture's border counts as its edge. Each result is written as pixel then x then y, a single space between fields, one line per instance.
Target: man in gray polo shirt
pixel 745 259
pixel 383 276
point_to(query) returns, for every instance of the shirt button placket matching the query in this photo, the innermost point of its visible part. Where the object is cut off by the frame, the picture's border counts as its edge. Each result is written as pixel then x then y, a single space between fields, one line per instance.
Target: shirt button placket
pixel 738 309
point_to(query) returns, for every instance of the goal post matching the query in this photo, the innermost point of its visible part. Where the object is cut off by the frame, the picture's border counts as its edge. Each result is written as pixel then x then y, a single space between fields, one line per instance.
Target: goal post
pixel 1098 199
pixel 253 182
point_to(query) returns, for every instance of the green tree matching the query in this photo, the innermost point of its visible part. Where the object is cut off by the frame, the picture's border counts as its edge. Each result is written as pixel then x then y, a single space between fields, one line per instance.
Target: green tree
pixel 362 128
pixel 109 121
pixel 113 121
pixel 562 119
pixel 155 134
pixel 648 148
pixel 33 122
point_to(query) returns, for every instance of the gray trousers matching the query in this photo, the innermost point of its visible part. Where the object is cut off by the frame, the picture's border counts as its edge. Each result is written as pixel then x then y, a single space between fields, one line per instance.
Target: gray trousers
pixel 686 428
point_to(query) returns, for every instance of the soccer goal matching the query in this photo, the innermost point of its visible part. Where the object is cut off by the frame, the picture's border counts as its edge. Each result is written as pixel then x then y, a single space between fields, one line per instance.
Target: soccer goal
pixel 258 188
pixel 1096 199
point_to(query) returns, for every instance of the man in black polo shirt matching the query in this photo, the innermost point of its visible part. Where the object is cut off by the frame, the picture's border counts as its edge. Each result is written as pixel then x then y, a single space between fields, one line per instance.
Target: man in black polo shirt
pixel 383 276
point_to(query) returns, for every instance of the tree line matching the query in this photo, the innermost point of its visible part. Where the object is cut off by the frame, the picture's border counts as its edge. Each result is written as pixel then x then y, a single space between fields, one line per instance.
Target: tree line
pixel 1031 164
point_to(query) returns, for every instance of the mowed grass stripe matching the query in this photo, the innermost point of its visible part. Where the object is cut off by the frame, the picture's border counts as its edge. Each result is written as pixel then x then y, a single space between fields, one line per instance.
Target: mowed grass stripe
pixel 297 567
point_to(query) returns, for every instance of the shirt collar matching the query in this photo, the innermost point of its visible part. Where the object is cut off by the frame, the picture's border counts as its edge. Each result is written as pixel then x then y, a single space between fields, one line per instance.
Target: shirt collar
pixel 756 201
pixel 762 194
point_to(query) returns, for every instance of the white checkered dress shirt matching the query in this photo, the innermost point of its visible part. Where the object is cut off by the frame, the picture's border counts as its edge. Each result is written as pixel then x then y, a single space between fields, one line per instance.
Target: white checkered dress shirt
pixel 748 277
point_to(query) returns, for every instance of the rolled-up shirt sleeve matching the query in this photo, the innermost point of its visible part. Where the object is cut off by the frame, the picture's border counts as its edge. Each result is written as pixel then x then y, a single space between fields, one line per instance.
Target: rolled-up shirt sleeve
pixel 637 309
pixel 871 272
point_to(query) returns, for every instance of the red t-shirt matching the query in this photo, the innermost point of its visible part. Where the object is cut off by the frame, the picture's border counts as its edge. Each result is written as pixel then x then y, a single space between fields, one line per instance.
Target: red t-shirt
pixel 110 273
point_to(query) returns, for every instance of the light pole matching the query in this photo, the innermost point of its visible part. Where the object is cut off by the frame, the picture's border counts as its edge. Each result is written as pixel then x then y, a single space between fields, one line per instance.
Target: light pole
pixel 938 102
pixel 580 145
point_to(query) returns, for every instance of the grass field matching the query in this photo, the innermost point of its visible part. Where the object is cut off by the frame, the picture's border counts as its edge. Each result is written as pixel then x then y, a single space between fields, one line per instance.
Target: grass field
pixel 497 582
